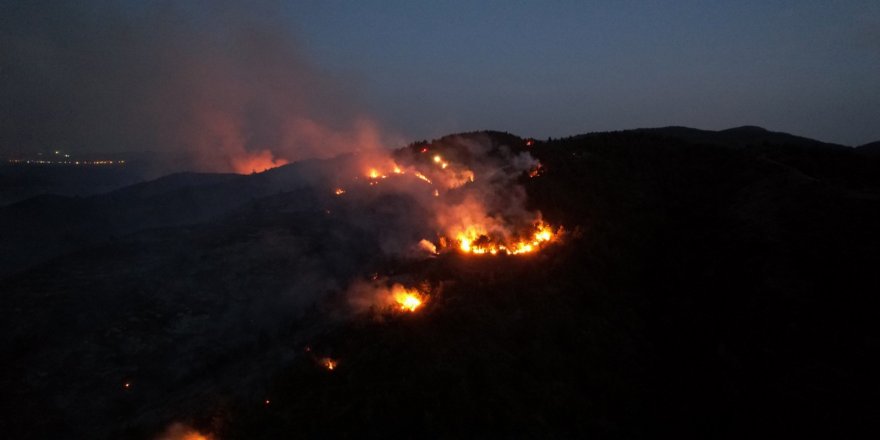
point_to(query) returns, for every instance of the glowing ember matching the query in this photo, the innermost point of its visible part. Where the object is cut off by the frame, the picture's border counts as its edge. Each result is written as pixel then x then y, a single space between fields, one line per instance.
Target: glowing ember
pixel 126 385
pixel 339 191
pixel 537 171
pixel 436 193
pixel 373 174
pixel 422 176
pixel 439 161
pixel 329 364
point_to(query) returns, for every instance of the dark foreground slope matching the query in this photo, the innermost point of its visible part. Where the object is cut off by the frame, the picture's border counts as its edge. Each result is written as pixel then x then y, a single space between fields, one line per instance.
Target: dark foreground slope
pixel 701 290
pixel 705 292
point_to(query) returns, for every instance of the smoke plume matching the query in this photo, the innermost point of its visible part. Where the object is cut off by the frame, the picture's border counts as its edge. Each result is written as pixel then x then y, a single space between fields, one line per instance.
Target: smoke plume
pixel 224 86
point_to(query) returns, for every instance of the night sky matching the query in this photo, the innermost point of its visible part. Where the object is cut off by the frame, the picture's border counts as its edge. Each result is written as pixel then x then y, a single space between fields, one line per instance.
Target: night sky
pixel 307 79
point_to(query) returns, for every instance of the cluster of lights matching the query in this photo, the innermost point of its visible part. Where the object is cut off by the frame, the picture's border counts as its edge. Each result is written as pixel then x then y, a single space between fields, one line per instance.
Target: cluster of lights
pixel 65 162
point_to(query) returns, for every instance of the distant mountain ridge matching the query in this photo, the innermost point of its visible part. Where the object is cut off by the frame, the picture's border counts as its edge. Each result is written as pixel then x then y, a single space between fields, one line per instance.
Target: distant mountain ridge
pixel 737 137
pixel 872 148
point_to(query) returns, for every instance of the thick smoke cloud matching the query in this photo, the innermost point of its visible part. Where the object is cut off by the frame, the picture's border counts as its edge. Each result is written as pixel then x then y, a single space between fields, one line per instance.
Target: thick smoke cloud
pixel 222 85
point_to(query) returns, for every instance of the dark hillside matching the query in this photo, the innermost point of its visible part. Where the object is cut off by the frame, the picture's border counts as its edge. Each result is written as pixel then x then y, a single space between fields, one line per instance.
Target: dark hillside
pixel 871 149
pixel 703 292
pixel 698 290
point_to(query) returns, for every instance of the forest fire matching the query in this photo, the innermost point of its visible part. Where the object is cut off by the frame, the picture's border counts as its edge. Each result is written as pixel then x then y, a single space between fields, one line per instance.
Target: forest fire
pixel 475 240
pixel 479 217
pixel 380 296
pixel 407 300
pixel 375 173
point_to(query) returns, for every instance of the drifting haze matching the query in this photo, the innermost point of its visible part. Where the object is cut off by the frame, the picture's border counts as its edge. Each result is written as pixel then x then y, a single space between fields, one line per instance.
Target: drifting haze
pixel 223 86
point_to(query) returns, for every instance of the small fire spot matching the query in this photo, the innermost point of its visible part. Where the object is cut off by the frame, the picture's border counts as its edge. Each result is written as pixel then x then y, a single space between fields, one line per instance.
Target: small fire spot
pixel 329 364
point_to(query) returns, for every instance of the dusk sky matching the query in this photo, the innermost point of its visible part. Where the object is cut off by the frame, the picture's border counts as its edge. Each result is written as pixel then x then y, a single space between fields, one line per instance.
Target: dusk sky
pixel 561 68
pixel 303 78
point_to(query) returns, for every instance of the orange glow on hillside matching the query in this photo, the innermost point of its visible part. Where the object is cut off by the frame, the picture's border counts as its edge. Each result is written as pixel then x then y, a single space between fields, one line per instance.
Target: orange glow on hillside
pixel 256 162
pixel 179 431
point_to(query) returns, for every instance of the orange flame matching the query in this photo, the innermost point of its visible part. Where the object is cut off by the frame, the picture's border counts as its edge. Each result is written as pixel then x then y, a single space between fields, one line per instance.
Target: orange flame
pixel 422 176
pixel 408 300
pixel 475 240
pixel 329 364
pixel 537 171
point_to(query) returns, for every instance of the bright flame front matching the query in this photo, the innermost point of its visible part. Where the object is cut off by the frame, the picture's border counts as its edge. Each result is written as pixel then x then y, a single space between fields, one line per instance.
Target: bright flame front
pixel 407 300
pixel 475 240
